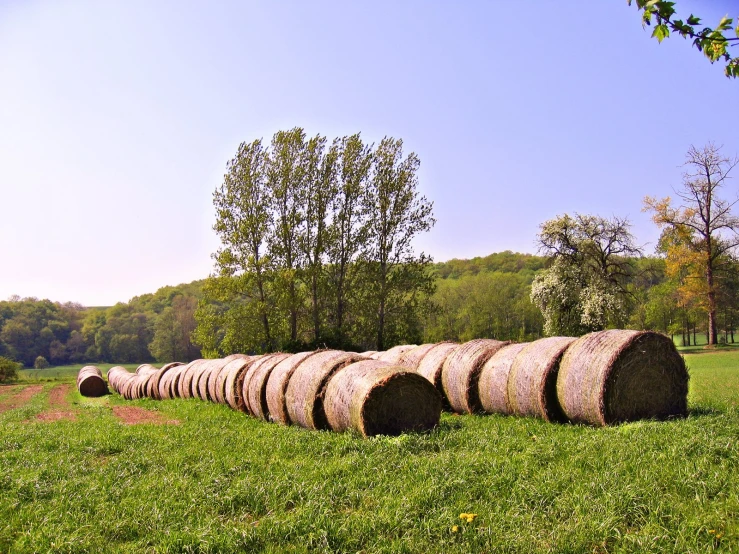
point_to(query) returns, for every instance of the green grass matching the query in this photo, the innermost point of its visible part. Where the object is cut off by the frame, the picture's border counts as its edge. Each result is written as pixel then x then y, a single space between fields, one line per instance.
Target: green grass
pixel 223 482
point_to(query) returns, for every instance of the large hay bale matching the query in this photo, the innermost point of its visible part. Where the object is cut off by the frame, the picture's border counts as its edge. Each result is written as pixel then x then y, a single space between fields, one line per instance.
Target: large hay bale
pixel 117 376
pixel 393 355
pixel 144 373
pixel 617 375
pixel 200 390
pixel 277 385
pixel 232 357
pixel 152 390
pixel 169 380
pixel 433 362
pixel 493 383
pixel 267 359
pixel 532 382
pixel 413 357
pixel 369 353
pixel 235 372
pixel 255 390
pixel 220 382
pixel 90 381
pixel 375 398
pixel 307 385
pixel 461 372
pixel 185 383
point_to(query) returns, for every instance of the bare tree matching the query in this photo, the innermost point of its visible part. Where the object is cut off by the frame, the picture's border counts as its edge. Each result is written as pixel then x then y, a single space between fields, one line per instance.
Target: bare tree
pixel 705 219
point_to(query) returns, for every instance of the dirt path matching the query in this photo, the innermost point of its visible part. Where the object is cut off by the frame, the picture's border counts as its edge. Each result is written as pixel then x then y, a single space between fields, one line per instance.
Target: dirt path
pixel 59 407
pixel 131 415
pixel 20 399
pixel 7 389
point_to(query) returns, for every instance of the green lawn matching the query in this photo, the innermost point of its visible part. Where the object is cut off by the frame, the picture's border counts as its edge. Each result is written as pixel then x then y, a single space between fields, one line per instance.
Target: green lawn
pixel 223 482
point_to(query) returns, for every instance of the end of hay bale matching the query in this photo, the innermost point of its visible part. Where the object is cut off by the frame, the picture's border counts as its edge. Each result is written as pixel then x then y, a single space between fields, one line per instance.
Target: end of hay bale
pixel 431 365
pixel 277 383
pixel 256 389
pixel 393 355
pixel 461 372
pixel 90 382
pixel 411 358
pixel 618 375
pixel 493 384
pixel 532 381
pixel 374 398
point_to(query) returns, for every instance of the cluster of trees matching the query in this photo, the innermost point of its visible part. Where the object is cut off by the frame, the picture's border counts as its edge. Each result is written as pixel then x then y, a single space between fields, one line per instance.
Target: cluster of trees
pixel 316 247
pixel 36 333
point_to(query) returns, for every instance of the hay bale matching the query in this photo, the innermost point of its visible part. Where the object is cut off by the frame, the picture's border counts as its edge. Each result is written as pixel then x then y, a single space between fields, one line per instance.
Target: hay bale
pixel 307 385
pixel 116 377
pixel 255 390
pixel 393 355
pixel 152 390
pixel 277 385
pixel 532 382
pixel 185 386
pixel 235 372
pixel 411 358
pixel 493 383
pixel 432 364
pixel 376 398
pixel 249 373
pixel 461 372
pixel 166 381
pixel 369 353
pixel 219 391
pixel 144 373
pixel 215 382
pixel 90 381
pixel 200 390
pixel 616 376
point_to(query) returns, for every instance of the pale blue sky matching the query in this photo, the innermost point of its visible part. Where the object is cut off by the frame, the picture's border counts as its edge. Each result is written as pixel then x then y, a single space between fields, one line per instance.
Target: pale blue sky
pixel 117 119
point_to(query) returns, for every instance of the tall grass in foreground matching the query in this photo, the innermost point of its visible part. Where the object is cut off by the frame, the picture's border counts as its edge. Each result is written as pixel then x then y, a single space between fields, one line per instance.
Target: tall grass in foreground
pixel 223 482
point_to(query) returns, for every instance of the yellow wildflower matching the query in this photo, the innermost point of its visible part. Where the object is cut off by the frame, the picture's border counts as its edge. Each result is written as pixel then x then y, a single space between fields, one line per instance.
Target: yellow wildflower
pixel 455 528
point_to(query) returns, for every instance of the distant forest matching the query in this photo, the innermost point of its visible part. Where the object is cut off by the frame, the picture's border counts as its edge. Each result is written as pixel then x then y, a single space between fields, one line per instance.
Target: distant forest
pixel 485 297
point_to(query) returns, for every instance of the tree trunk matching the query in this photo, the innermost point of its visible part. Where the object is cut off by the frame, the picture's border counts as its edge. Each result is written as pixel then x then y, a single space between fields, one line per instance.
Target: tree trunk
pixel 711 305
pixel 316 315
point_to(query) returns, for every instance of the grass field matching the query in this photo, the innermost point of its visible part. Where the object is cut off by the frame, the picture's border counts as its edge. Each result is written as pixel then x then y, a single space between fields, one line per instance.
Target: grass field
pixel 222 482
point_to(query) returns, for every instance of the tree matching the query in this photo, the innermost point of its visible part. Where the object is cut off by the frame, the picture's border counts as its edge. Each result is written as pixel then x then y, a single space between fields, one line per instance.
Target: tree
pixel 586 287
pixel 703 229
pixel 242 223
pixel 40 363
pixel 712 42
pixel 395 279
pixel 8 369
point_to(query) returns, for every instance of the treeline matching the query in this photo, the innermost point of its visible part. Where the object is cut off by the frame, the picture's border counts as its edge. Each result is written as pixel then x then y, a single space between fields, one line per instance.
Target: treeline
pixel 151 327
pixel 316 248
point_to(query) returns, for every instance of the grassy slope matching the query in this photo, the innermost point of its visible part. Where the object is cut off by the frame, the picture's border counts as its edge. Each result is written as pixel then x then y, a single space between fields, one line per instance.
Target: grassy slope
pixel 222 482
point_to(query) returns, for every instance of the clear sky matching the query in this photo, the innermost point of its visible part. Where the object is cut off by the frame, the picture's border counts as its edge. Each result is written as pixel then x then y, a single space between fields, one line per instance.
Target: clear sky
pixel 117 119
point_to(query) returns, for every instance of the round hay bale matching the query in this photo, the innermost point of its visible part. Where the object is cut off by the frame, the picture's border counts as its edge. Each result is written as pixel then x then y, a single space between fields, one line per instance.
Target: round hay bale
pixel 393 355
pixel 117 376
pixel 173 381
pixel 255 390
pixel 144 368
pixel 211 385
pixel 413 357
pixel 152 390
pixel 493 384
pixel 532 381
pixel 617 376
pixel 235 372
pixel 249 373
pixel 375 398
pixel 185 387
pixel 200 381
pixel 431 366
pixel 369 353
pixel 307 385
pixel 90 381
pixel 220 382
pixel 277 385
pixel 461 372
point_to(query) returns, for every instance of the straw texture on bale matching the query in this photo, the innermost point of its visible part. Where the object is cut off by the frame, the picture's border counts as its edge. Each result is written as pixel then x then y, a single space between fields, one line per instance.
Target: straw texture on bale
pixel 413 357
pixel 375 398
pixel 185 384
pixel 255 391
pixel 156 379
pixel 267 359
pixel 532 382
pixel 169 381
pixel 117 376
pixel 90 381
pixel 220 382
pixel 461 372
pixel 616 376
pixel 208 378
pixel 369 353
pixel 277 385
pixel 232 357
pixel 393 355
pixel 493 383
pixel 306 388
pixel 432 363
pixel 233 381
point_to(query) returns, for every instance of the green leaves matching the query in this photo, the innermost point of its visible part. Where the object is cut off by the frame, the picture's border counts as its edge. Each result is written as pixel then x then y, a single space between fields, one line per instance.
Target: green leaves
pixel 711 42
